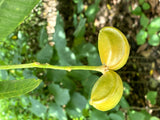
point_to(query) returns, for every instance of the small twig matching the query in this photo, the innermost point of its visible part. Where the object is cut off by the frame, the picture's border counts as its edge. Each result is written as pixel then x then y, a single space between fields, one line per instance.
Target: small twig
pixel 142 108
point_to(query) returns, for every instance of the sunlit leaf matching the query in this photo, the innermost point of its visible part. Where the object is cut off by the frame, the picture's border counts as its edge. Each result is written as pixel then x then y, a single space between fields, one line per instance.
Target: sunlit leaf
pixel 79 32
pixel 57 111
pixel 76 105
pixel 151 96
pixel 66 56
pixel 79 6
pixel 37 108
pixel 144 20
pixel 154 118
pixel 127 88
pixel 80 29
pixel 154 40
pixel 13 88
pixel 24 101
pixel 92 11
pixel 3 75
pixel 89 51
pixel 61 95
pixel 154 26
pixel 141 37
pixel 134 115
pixel 12 13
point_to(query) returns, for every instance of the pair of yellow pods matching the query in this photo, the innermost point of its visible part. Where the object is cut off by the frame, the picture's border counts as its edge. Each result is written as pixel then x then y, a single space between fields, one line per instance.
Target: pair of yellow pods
pixel 114 51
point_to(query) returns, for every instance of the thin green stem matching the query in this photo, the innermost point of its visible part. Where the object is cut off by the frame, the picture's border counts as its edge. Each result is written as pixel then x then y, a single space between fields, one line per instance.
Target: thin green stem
pixel 48 66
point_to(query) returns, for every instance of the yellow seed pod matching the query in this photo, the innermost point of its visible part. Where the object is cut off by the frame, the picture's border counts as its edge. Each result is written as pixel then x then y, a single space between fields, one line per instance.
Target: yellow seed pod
pixel 113 48
pixel 107 91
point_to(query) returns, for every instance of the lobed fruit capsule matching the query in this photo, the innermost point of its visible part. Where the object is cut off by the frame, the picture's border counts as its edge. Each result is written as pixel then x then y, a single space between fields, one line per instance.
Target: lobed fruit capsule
pixel 107 91
pixel 113 48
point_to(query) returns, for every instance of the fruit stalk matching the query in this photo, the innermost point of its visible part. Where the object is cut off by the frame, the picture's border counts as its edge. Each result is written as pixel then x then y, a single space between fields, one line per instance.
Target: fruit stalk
pixel 67 68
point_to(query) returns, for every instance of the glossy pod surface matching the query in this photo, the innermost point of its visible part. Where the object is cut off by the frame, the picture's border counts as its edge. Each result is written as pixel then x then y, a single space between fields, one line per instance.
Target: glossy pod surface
pixel 107 91
pixel 113 48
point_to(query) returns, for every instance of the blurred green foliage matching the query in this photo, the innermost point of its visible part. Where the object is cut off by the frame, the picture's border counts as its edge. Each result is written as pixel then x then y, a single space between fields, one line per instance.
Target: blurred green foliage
pixel 151 96
pixel 62 95
pixel 149 31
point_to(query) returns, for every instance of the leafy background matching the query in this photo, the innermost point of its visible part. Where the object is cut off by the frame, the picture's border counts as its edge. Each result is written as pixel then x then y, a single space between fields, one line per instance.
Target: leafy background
pixel 64 95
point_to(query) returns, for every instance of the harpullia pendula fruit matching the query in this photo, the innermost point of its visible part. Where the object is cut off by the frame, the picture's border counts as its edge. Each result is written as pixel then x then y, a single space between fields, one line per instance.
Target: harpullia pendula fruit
pixel 113 48
pixel 107 91
pixel 114 51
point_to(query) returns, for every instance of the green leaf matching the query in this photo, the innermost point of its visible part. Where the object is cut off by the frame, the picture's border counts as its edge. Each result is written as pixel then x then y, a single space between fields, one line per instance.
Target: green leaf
pixel 127 88
pixel 69 84
pixel 13 13
pixel 154 26
pixel 115 116
pixel 147 115
pixel 79 75
pixel 80 6
pixel 43 37
pixel 80 29
pixel 154 40
pixel 24 101
pixel 28 74
pixel 3 75
pixel 121 114
pixel 151 96
pixel 141 2
pixel 144 20
pixel 145 6
pixel 94 60
pixel 154 118
pixel 137 11
pixel 91 54
pixel 75 22
pixel 14 88
pixel 90 51
pixel 76 105
pixel 59 35
pixel 56 111
pixel 45 54
pixel 66 56
pixel 89 83
pixel 141 37
pixel 75 1
pixel 37 108
pixel 56 75
pixel 98 115
pixel 61 95
pixel 92 11
pixel 123 103
pixel 134 115
pixel 155 22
